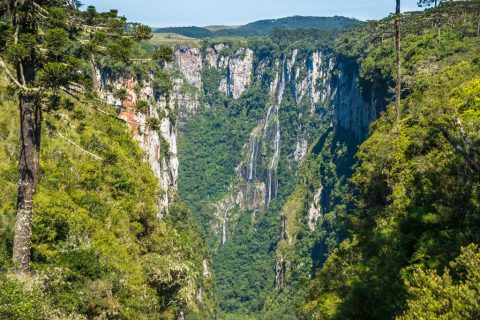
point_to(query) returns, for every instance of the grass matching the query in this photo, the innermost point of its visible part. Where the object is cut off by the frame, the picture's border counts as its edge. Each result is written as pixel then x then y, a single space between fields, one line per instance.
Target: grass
pixel 220 27
pixel 159 39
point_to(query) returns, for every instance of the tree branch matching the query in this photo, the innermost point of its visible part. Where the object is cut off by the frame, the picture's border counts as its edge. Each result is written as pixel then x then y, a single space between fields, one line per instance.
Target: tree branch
pixel 74 144
pixel 12 78
pixel 469 159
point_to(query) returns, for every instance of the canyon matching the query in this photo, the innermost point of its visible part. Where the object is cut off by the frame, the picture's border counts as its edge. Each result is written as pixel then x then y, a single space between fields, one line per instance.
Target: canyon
pixel 319 90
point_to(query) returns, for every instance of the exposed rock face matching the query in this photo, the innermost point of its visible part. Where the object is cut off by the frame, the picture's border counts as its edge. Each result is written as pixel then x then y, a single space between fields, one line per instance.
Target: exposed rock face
pixel 352 111
pixel 159 143
pixel 315 211
pixel 280 273
pixel 213 57
pixel 206 269
pixel 300 150
pixel 317 85
pixel 187 88
pixel 239 73
pixel 239 69
pixel 189 62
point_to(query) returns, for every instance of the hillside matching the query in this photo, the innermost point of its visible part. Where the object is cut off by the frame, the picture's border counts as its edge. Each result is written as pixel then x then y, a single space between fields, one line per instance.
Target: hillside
pixel 98 245
pixel 263 27
pixel 269 166
pixel 106 236
pixel 256 172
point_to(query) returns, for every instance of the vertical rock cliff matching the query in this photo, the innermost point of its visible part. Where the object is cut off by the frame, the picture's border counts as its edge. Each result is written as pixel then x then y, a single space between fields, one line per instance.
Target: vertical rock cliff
pixel 300 109
pixel 158 138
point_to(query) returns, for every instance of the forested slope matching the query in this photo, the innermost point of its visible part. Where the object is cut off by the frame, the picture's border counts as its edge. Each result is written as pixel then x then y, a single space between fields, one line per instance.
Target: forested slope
pixel 102 233
pixel 99 248
pixel 412 247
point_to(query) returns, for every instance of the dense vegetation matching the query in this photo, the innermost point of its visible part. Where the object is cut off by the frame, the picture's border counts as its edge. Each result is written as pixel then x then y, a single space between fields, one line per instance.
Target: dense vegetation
pixel 416 194
pixel 99 249
pixel 409 254
pixel 211 148
pixel 191 32
pixel 95 246
pixel 398 235
pixel 265 27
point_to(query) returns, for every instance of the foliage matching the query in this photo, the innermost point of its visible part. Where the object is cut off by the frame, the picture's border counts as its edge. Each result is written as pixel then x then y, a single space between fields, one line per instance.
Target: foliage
pixel 212 146
pixel 455 294
pixel 163 54
pixel 416 193
pixel 264 27
pixel 142 106
pixel 97 240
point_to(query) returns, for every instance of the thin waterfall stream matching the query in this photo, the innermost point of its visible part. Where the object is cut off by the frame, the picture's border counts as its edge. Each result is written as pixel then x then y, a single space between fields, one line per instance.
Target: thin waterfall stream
pixel 272 190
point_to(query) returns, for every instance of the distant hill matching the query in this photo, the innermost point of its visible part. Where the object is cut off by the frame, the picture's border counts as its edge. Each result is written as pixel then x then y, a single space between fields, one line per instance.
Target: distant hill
pixel 263 27
pixel 191 32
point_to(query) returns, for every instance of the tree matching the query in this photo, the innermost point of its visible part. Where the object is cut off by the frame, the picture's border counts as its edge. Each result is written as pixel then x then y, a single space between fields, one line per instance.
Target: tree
pixel 399 59
pixel 111 36
pixel 141 32
pixel 453 295
pixel 35 75
pixel 121 94
pixel 163 54
pixel 39 42
pixel 428 3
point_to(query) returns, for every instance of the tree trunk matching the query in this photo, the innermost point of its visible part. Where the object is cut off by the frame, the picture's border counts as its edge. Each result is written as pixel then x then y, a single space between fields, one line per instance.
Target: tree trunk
pixel 95 84
pixel 478 26
pixel 399 59
pixel 30 135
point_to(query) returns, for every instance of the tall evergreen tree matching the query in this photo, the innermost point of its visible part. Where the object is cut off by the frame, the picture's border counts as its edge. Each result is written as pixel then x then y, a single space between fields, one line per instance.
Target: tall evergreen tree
pixel 399 57
pixel 429 3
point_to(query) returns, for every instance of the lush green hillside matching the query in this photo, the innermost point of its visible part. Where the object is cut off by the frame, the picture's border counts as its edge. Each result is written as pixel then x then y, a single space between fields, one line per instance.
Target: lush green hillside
pixel 410 254
pixel 263 27
pixel 396 234
pixel 99 248
pixel 191 32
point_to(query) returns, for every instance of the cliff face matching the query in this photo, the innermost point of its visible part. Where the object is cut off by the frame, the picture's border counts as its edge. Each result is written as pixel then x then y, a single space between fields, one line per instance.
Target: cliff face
pixel 155 128
pixel 188 81
pixel 159 141
pixel 319 86
pixel 307 94
pixel 314 80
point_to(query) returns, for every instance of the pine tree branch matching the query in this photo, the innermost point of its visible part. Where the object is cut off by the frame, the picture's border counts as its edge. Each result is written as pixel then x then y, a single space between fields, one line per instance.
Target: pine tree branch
pixel 57 131
pixel 468 157
pixel 14 80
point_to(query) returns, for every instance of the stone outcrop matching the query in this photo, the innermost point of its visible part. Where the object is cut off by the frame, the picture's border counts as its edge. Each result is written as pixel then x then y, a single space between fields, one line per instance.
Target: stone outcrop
pixel 159 142
pixel 187 86
pixel 351 110
pixel 315 211
pixel 239 69
pixel 189 62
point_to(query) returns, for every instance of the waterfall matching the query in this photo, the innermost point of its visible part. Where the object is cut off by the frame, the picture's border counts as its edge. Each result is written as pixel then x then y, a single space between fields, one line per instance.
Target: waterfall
pixel 253 144
pixel 272 190
pixel 224 229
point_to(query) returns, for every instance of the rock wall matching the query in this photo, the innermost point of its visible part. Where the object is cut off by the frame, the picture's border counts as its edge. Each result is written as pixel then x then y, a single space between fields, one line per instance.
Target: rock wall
pixel 188 85
pixel 315 84
pixel 308 79
pixel 351 110
pixel 159 141
pixel 239 68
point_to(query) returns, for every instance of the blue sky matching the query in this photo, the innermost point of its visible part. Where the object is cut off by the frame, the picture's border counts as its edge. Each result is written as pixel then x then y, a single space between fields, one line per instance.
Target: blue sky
pixel 162 13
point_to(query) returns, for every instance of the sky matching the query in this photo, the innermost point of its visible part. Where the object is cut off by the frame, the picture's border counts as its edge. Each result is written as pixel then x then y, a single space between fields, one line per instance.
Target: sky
pixel 166 13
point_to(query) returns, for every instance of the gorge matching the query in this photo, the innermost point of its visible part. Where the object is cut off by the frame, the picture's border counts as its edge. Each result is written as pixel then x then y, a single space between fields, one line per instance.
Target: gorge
pixel 253 172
